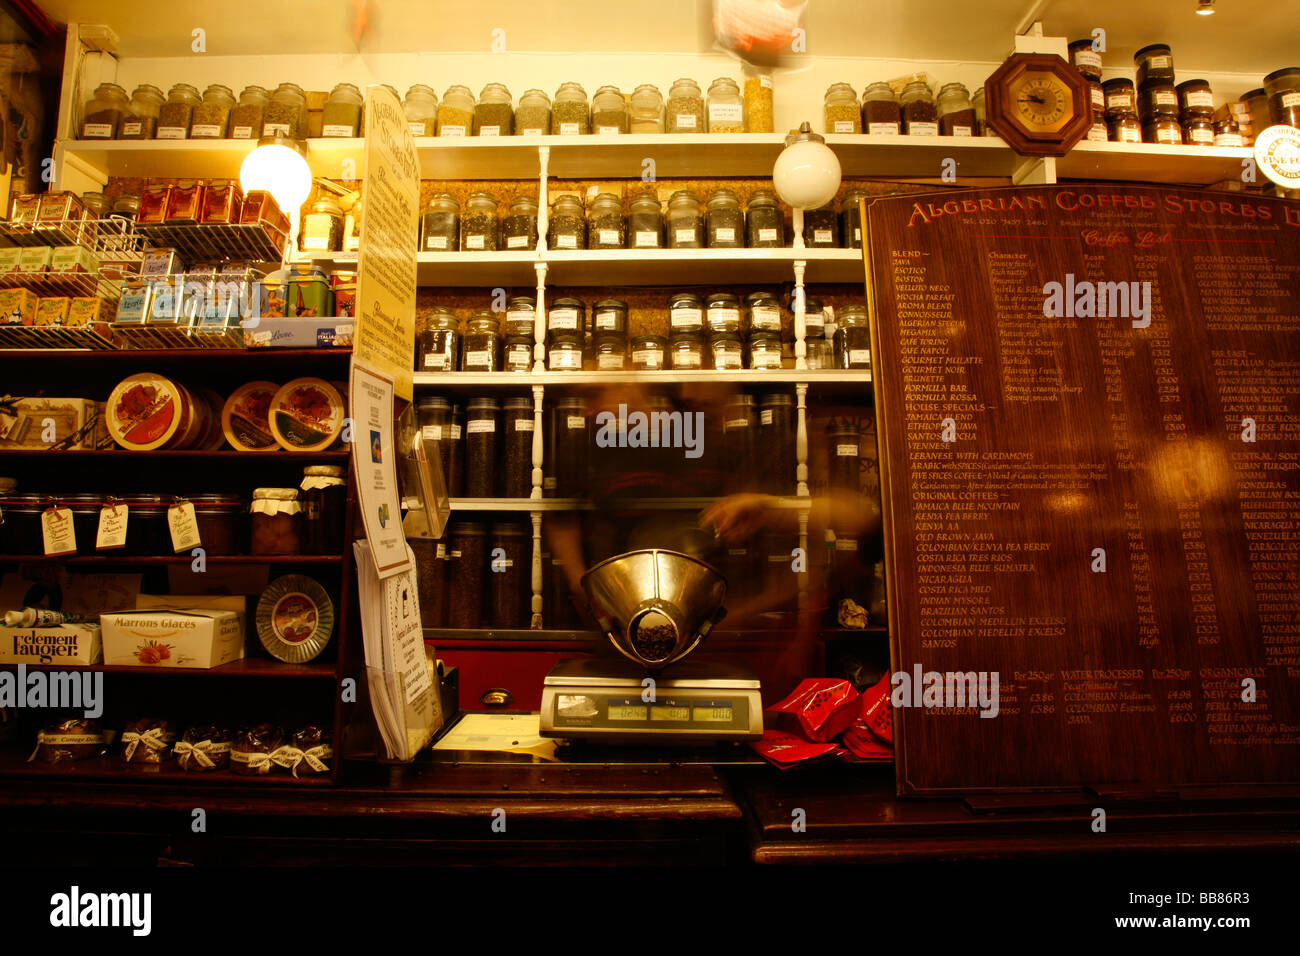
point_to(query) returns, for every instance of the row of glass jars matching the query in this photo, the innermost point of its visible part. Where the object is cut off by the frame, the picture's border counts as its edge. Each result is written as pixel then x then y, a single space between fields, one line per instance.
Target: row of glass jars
pixel 914 112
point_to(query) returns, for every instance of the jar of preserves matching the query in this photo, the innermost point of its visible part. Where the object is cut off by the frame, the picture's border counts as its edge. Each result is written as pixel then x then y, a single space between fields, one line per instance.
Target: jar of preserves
pixel 211 118
pixel 456 112
pixel 479 226
pixel 842 457
pixel 686 312
pixel 649 353
pixel 764 312
pixel 722 312
pixel 956 113
pixel 851 218
pixel 1157 100
pixel 685 110
pixel 341 116
pixel 1096 100
pixel 920 117
pixel 286 113
pixel 564 351
pixel 142 120
pixel 1198 131
pixel 881 113
pixel 1123 126
pixel 686 350
pixel 174 115
pixel 482 420
pixel 421 109
pixel 517 353
pixel 1195 98
pixel 1227 133
pixel 569 113
pixel 85 519
pixel 467 563
pixel 1154 62
pixel 521 315
pixel 517 444
pixel 645 222
pixel 322 227
pixel 605 228
pixel 1085 59
pixel 764 221
pixel 776 438
pixel 533 117
pixel 1163 129
pixel 758 103
pixel 611 351
pixel 821 228
pixel 609 111
pixel 726 110
pixel 646 110
pixel 438 425
pixel 275 524
pixel 249 114
pixel 519 228
pixel 440 224
pixel 841 109
pixel 853 338
pixel 726 350
pixel 105 112
pixel 324 495
pixel 20 532
pixel 1283 90
pixel 511 570
pixel 1120 97
pixel 764 350
pixel 725 220
pixel 610 316
pixel 438 344
pixel 147 531
pixel 685 222
pixel 566 315
pixel 481 344
pixel 566 226
pixel 493 113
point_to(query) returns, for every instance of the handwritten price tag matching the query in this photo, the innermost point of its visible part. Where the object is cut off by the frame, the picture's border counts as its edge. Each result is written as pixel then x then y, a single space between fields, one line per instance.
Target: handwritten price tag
pixel 112 527
pixel 183 527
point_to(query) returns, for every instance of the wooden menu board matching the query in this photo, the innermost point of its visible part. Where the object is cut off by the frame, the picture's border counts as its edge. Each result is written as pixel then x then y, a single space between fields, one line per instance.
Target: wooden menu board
pixel 1097 502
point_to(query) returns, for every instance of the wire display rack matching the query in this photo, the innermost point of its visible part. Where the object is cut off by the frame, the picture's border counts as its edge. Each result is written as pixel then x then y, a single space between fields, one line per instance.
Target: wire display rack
pixel 97 337
pixel 195 242
pixel 136 336
pixel 72 284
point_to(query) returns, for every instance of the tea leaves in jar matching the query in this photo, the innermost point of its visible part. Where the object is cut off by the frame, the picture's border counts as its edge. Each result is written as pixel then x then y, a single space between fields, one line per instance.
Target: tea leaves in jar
pixel 482 416
pixel 685 110
pixel 726 221
pixel 440 225
pixel 519 228
pixel 570 115
pixel 248 115
pixel 517 481
pixel 211 118
pixel 456 112
pixel 478 225
pixel 605 224
pixel 645 223
pixel 758 104
pixel 493 115
pixel 609 111
pixel 533 117
pixel 725 108
pixel 566 226
pixel 820 228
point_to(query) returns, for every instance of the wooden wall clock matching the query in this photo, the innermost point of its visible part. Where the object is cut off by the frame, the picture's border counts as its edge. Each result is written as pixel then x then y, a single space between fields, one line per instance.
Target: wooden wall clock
pixel 1038 103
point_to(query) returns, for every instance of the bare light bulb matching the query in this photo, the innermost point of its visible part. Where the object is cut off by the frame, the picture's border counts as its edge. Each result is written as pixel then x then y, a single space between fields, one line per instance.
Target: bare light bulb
pixel 1204 8
pixel 280 169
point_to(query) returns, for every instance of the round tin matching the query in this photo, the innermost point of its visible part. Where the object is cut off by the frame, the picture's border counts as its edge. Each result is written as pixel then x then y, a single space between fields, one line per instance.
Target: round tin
pixel 306 415
pixel 145 411
pixel 246 417
pixel 295 619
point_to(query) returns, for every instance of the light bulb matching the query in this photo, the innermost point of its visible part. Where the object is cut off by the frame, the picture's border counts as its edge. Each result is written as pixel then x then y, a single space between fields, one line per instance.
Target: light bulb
pixel 280 169
pixel 807 173
pixel 1205 8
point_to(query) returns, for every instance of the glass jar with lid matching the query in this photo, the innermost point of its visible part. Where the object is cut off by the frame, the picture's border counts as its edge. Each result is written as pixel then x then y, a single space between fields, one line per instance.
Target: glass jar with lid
pixel 841 109
pixel 1120 96
pixel 566 315
pixel 727 351
pixel 609 111
pixel 764 221
pixel 519 228
pixel 341 116
pixel 605 227
pixel 725 220
pixel 645 222
pixel 726 109
pixel 819 354
pixel 533 117
pixel 981 113
pixel 105 112
pixel 722 312
pixel 521 315
pixel 758 102
pixel 821 227
pixel 763 311
pixel 686 350
pixel 517 446
pixel 777 435
pixel 286 113
pixel 570 115
pixel 211 118
pixel 920 116
pixel 438 424
pixel 1157 99
pixel 456 112
pixel 1195 98
pixel 1163 129
pixel 649 352
pixel 609 316
pixel 438 342
pixel 685 110
pixel 956 112
pixel 1154 62
pixel 96 203
pixel 646 110
pixel 275 524
pixel 685 224
pixel 322 227
pixel 324 495
pixel 764 350
pixel 881 114
pixel 611 351
pixel 440 224
pixel 1085 59
pixel 570 446
pixel 478 226
pixel 1123 126
pixel 564 351
pixel 249 114
pixel 175 114
pixel 142 121
pixel 566 226
pixel 482 421
pixel 493 113
pixel 853 338
pixel 517 353
pixel 1198 131
pixel 851 218
pixel 482 343
pixel 686 312
pixel 1283 89
pixel 421 109
pixel 1227 132
pixel 1256 101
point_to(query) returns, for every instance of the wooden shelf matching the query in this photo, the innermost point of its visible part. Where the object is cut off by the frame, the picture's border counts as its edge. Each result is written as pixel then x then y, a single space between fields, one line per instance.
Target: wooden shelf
pixel 830 379
pixel 448 636
pixel 121 455
pixel 112 767
pixel 583 504
pixel 109 558
pixel 1153 162
pixel 247 667
pixel 234 359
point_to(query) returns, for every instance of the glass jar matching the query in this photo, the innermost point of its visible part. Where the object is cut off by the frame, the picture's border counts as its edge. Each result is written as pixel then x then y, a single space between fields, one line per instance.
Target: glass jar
pixel 739 441
pixel 85 520
pixel 533 117
pixel 725 107
pixel 456 112
pixel 571 446
pixel 1097 100
pixel 218 518
pixel 609 111
pixel 566 227
pixel 519 228
pixel 105 112
pixel 517 353
pixel 493 113
pixel 726 221
pixel 564 351
pixel 322 227
pixel 920 116
pixel 981 113
pixel 881 114
pixel 763 311
pixel 1195 99
pixel 1157 100
pixel 142 120
pixel 821 228
pixel 758 103
pixel 853 338
pixel 605 228
pixel 1085 59
pixel 685 223
pixel 479 226
pixel 517 442
pixel 722 312
pixel 1154 62
pixel 341 116
pixel 1227 133
pixel 1283 90
pixel 286 113
pixel 96 203
pixel 511 571
pixel 764 221
pixel 211 118
pixel 645 222
pixel 249 114
pixel 956 113
pixel 646 110
pixel 649 352
pixel 1163 129
pixel 438 343
pixel 842 457
pixel 324 495
pixel 275 524
pixel 610 316
pixel 686 312
pixel 569 114
pixel 20 532
pixel 610 349
pixel 421 110
pixel 819 353
pixel 467 563
pixel 521 315
pixel 686 350
pixel 440 224
pixel 764 350
pixel 175 114
pixel 1120 97
pixel 147 531
pixel 841 109
pixel 726 351
pixel 438 425
pixel 482 418
pixel 1123 126
pixel 851 218
pixel 776 436
pixel 1198 131
pixel 566 315
pixel 431 580
pixel 479 350
pixel 685 110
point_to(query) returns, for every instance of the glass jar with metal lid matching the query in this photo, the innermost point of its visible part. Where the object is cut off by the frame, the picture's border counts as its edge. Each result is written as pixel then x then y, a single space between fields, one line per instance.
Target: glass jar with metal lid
pixel 722 312
pixel 881 114
pixel 517 446
pixel 438 342
pixel 853 338
pixel 479 226
pixel 920 116
pixel 175 114
pixel 685 224
pixel 610 315
pixel 570 115
pixel 605 227
pixel 1197 131
pixel 437 420
pixel 285 114
pixel 481 344
pixel 247 117
pixel 1085 59
pixel 493 113
pixel 1123 126
pixel 322 227
pixel 609 111
pixel 764 312
pixel 649 353
pixel 645 222
pixel 646 110
pixel 727 351
pixel 566 226
pixel 1163 129
pixel 324 495
pixel 421 109
pixel 1154 62
pixel 456 111
pixel 440 224
pixel 519 228
pixel 611 351
pixel 1096 100
pixel 1120 96
pixel 764 350
pixel 851 218
pixel 726 107
pixel 482 423
pixel 685 109
pixel 517 353
pixel 147 531
pixel 467 556
pixel 564 351
pixel 142 120
pixel 841 109
pixel 1227 132
pixel 533 116
pixel 725 220
pixel 1157 100
pixel 764 221
pixel 1283 89
pixel 956 112
pixel 521 315
pixel 211 118
pixel 126 206
pixel 1195 98
pixel 819 353
pixel 341 115
pixel 776 436
pixel 686 312
pixel 686 350
pixel 566 315
pixel 275 524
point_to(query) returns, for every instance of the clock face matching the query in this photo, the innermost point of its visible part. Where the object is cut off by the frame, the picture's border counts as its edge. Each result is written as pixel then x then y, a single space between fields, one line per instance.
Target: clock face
pixel 1041 101
pixel 1038 103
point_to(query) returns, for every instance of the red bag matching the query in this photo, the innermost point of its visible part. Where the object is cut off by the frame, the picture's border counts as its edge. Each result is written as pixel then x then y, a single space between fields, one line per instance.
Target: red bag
pixel 871 735
pixel 820 708
pixel 786 750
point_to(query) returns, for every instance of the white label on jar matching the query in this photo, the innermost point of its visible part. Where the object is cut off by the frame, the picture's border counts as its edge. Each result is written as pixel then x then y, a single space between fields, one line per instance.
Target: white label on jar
pixel 57 531
pixel 857 233
pixel 857 356
pixel 576 421
pixel 846 451
pixel 1290 99
pixel 646 240
pixel 1098 133
pixel 475 242
pixel 455 554
pixel 822 235
pixel 610 363
pixel 272 129
pixel 478 426
pixel 843 126
pixel 1127 135
pixel 98 131
pixel 687 318
pixel 242 132
pixel 334 129
pixel 724 113
pixel 1171 137
pixel 416 129
pixel 725 359
pixel 568 129
pixel 731 423
pixel 767 235
pixel 489 130
pixel 882 129
pixel 132 128
pixel 517 360
pixel 1087 58
pixel 565 358
pixel 440 551
pixel 436 360
pixel 183 526
pixel 765 416
pixel 1227 139
pixel 723 317
pixel 1165 98
pixel 923 129
pixel 566 242
pixel 178 132
pixel 532 132
pixel 522 317
pixel 206 131
pixel 961 131
pixel 516 242
pixel 431 432
pixel 765 359
pixel 686 359
pixel 607 237
pixel 607 320
pixel 765 317
pixel 686 121
pixel 724 234
pixel 435 242
pixel 1098 96
pixel 1201 135
pixel 846 544
pixel 479 360
pixel 1118 101
pixel 765 82
pixel 684 235
pixel 648 358
pixel 315 242
pixel 1159 62
pixel 112 527
pixel 563 319
pixel 606 130
pixel 523 424
pixel 453 431
pixel 1200 98
pixel 451 131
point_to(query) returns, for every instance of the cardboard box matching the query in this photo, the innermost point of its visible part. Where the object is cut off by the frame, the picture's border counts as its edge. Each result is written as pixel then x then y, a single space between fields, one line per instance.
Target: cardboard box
pixel 35 259
pixel 304 333
pixel 17 307
pixel 135 302
pixel 193 638
pixel 53 310
pixel 89 310
pixel 70 644
pixel 25 427
pixel 73 259
pixel 10 258
pixel 210 602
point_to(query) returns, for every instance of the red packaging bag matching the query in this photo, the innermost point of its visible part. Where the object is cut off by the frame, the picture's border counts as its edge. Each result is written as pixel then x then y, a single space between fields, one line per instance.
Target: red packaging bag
pixel 820 708
pixel 785 750
pixel 871 735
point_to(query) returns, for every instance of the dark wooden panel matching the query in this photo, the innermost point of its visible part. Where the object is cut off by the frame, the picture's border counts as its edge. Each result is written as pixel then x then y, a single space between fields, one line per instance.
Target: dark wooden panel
pixel 1086 431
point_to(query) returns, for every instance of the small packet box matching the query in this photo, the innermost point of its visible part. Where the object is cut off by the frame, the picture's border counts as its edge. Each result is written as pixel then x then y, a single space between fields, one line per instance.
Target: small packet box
pixel 35 259
pixel 73 259
pixel 200 638
pixel 66 644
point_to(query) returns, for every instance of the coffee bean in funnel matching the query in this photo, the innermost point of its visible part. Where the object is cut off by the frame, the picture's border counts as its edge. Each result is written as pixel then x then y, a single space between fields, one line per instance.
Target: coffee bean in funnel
pixel 654 642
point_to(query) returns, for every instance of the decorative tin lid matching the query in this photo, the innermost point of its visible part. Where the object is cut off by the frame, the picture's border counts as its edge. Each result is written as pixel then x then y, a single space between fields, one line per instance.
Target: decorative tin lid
pixel 145 410
pixel 245 417
pixel 295 619
pixel 307 415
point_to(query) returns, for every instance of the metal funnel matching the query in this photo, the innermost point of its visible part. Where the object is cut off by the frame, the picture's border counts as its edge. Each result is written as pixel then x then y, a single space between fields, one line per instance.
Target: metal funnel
pixel 655 606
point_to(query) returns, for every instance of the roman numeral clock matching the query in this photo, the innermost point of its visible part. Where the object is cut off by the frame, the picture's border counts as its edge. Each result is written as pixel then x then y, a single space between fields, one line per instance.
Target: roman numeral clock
pixel 1038 103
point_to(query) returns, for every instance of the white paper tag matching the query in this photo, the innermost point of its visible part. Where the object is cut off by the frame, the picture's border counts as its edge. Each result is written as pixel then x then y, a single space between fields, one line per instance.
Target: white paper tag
pixel 1098 97
pixel 1098 133
pixel 565 359
pixel 608 237
pixel 765 416
pixel 610 363
pixel 1206 98
pixel 646 239
pixel 489 130
pixel 274 129
pixel 516 242
pixel 730 423
pixel 132 128
pixel 416 129
pixel 435 242
pixel 686 359
pixel 1201 136
pixel 686 318
pixel 724 234
pixel 765 82
pixel 532 132
pixel 563 319
pixel 1127 135
pixel 961 131
pixel 183 526
pixel 1290 99
pixel 607 320
pixel 478 360
pixel 177 132
pixel 765 317
pixel 451 131
pixel 606 130
pixel 338 130
pixel 723 360
pixel 1160 62
pixel 1165 98
pixel 569 129
pixel 523 424
pixel 648 357
pixel 725 112
pixel 685 121
pixel 98 131
pixel 566 241
pixel 765 359
pixel 822 235
pixel 684 235
pixel 721 318
pixel 242 132
pixel 859 355
pixel 846 451
pixel 1227 139
pixel 882 129
pixel 1089 58
pixel 843 126
pixel 112 527
pixel 57 531
pixel 478 426
pixel 1119 101
pixel 431 433
pixel 767 235
pixel 923 129
pixel 435 360
pixel 210 131
pixel 475 242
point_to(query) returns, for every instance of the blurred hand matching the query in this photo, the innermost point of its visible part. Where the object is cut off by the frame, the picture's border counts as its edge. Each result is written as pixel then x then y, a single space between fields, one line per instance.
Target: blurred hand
pixel 737 518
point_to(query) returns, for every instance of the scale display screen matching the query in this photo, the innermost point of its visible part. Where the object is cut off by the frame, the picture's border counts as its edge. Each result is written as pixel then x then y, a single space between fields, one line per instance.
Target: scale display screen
pixel 619 711
pixel 670 712
pixel 715 714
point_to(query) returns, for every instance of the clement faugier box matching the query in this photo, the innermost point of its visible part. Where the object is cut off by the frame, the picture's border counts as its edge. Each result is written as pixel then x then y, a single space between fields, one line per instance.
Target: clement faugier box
pixel 197 637
pixel 69 644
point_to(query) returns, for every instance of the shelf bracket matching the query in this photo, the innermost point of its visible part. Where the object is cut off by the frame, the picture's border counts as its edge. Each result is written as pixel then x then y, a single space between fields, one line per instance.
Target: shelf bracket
pixel 1035 171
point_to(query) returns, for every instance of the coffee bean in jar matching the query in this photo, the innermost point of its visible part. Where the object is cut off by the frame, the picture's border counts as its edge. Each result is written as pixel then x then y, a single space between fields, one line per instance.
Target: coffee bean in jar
pixel 439 425
pixel 467 550
pixel 481 347
pixel 519 228
pixel 482 416
pixel 105 112
pixel 431 580
pixel 517 420
pixel 956 112
pixel 881 114
pixel 438 343
pixel 605 227
pixel 570 443
pixel 645 224
pixel 440 224
pixel 566 225
pixel 920 117
pixel 509 574
pixel 479 227
pixel 765 223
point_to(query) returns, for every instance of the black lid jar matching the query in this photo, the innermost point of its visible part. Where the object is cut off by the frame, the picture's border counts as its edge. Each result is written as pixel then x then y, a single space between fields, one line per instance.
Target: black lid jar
pixel 220 524
pixel 727 351
pixel 521 315
pixel 648 353
pixel 1120 96
pixel 1154 62
pixel 1283 89
pixel 1198 131
pixel 1195 98
pixel 1163 129
pixel 1085 59
pixel 610 315
pixel 1123 126
pixel 566 314
pixel 438 343
pixel 1157 100
pixel 722 312
pixel 686 312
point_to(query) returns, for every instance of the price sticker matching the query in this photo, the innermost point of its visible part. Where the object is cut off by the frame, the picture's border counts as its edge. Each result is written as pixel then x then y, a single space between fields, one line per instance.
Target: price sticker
pixel 57 531
pixel 183 526
pixel 112 527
